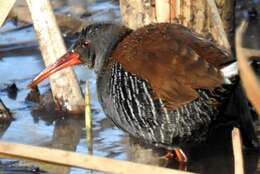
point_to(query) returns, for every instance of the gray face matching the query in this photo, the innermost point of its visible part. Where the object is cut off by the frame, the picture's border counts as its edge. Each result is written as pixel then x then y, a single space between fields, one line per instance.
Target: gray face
pixel 96 43
pixel 85 45
pixel 86 51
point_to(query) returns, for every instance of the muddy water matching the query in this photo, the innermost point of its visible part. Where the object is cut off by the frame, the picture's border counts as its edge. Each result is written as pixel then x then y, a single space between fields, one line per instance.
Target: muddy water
pixel 19 63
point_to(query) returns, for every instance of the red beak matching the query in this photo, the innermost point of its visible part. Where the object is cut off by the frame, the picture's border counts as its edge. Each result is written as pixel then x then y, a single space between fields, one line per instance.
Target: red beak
pixel 68 59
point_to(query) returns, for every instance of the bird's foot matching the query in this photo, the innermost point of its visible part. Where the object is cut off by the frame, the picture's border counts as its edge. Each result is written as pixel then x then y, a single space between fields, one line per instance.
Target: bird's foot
pixel 177 153
pixel 169 155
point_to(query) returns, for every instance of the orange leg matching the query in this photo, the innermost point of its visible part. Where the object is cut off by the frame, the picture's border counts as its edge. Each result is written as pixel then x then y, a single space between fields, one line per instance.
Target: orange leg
pixel 180 155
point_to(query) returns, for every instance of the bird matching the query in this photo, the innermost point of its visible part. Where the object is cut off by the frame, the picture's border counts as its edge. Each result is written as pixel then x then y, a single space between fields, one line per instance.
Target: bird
pixel 163 84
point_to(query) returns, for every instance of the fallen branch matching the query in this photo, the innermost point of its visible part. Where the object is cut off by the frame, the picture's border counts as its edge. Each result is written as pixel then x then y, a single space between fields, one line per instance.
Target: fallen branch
pixel 73 159
pixel 237 151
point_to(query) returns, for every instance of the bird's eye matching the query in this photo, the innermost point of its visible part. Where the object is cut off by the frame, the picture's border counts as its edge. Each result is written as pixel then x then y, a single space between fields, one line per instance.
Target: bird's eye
pixel 85 44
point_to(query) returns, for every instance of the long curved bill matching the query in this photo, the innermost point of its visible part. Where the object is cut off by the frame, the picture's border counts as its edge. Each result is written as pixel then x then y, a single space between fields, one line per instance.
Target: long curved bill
pixel 68 59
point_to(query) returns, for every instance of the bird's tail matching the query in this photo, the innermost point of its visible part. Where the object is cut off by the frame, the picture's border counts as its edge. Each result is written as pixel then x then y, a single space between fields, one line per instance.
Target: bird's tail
pixel 230 71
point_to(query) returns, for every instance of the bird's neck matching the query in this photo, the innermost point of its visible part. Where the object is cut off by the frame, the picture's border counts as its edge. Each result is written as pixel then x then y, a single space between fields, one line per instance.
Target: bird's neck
pixel 106 42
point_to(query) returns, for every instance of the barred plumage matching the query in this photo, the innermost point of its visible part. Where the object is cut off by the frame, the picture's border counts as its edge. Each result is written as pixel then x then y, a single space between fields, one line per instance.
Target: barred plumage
pixel 132 107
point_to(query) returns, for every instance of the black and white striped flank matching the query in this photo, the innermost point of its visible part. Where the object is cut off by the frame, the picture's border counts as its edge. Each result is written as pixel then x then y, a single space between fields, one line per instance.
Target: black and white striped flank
pixel 131 105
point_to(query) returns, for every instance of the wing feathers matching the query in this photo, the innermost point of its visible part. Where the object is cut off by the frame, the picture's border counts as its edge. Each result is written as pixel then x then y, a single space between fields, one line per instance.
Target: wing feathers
pixel 174 68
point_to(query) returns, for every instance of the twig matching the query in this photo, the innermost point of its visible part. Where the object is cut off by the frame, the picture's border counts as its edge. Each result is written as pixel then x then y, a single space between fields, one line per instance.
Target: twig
pixel 82 161
pixel 249 79
pixel 237 151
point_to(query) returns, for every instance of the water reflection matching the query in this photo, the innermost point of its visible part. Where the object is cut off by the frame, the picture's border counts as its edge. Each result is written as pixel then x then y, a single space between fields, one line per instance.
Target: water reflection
pixel 66 135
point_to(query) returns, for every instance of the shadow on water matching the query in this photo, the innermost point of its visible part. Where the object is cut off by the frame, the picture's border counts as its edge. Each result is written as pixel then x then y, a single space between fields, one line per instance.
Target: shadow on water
pixel 20 63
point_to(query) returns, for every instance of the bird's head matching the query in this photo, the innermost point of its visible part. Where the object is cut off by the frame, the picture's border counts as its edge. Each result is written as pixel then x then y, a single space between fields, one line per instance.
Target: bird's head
pixel 92 48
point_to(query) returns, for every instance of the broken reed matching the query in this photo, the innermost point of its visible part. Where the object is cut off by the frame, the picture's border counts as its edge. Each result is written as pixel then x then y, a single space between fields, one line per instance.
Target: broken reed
pixel 72 159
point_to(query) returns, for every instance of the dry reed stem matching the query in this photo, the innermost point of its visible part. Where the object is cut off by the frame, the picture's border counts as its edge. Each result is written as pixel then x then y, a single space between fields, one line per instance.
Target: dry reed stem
pixel 249 78
pixel 65 88
pixel 162 10
pixel 5 8
pixel 218 30
pixel 88 119
pixel 237 151
pixel 88 116
pixel 73 159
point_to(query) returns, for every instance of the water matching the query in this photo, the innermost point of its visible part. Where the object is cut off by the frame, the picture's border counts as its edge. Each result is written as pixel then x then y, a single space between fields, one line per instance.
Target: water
pixel 21 63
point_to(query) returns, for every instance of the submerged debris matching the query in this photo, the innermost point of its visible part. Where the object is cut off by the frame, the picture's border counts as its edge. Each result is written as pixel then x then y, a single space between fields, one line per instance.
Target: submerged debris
pixel 5 114
pixel 45 102
pixel 34 95
pixel 12 91
pixel 13 167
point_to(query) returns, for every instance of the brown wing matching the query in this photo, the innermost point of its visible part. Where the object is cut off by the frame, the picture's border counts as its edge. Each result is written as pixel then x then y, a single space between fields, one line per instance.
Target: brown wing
pixel 159 54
